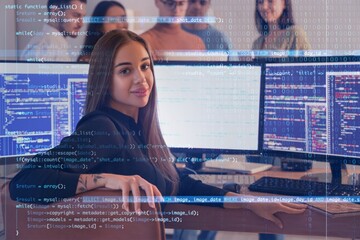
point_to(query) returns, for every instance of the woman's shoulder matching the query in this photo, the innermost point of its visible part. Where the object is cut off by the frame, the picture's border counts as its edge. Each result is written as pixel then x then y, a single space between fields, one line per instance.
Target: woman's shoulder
pixel 296 30
pixel 298 38
pixel 258 42
pixel 102 126
pixel 96 119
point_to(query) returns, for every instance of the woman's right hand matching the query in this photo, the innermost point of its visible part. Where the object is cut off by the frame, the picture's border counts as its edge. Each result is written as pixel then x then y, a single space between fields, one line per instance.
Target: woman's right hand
pixel 132 184
pixel 124 183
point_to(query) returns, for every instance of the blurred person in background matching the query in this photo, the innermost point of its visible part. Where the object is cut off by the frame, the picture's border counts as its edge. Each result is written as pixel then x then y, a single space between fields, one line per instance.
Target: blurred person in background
pixel 169 36
pixel 114 17
pixel 212 38
pixel 275 23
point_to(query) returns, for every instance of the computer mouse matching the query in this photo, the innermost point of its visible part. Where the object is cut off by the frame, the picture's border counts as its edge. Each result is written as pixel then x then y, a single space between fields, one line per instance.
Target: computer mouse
pixel 232 187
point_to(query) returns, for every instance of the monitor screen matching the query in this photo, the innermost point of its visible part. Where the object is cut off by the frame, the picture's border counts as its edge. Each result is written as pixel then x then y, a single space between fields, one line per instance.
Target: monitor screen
pixel 209 106
pixel 312 107
pixel 40 104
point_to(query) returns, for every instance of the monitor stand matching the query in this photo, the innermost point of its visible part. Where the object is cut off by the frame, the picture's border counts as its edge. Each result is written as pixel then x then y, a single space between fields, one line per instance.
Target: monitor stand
pixel 196 162
pixel 337 175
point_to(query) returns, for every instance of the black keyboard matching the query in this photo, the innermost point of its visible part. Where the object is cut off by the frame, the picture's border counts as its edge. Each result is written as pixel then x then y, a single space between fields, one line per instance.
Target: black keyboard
pixel 295 187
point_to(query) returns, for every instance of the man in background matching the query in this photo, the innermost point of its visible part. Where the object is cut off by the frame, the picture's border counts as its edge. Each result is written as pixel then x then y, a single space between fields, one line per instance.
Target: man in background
pixel 169 36
pixel 212 38
pixel 65 20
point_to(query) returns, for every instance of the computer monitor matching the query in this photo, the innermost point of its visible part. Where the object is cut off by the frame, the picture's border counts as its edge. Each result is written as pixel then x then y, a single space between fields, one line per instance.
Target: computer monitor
pixel 312 110
pixel 208 107
pixel 40 104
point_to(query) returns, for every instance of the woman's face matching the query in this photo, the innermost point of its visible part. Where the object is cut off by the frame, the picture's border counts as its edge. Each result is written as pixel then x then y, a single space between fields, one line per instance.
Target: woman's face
pixel 114 13
pixel 132 79
pixel 271 10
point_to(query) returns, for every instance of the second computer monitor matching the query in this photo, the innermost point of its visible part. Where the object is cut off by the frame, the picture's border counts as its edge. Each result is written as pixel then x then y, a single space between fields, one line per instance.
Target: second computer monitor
pixel 210 106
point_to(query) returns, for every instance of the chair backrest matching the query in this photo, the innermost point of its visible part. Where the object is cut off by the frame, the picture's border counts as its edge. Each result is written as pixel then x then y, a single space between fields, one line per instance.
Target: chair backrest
pixel 92 215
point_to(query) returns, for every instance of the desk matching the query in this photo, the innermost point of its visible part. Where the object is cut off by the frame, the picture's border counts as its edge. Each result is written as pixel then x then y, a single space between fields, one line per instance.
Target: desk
pixel 310 223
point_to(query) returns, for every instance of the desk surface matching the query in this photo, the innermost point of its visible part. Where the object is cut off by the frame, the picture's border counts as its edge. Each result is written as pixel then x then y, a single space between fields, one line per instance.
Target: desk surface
pixel 310 223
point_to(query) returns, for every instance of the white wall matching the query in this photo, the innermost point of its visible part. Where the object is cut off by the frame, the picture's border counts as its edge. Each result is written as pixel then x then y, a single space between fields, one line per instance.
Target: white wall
pixel 330 24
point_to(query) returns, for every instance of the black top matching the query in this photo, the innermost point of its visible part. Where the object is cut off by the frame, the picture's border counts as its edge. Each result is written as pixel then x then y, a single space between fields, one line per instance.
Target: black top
pixel 105 141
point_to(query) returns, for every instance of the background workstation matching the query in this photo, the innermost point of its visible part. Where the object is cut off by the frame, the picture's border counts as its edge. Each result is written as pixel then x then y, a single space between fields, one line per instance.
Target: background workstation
pixel 330 25
pixel 310 107
pixel 65 87
pixel 37 123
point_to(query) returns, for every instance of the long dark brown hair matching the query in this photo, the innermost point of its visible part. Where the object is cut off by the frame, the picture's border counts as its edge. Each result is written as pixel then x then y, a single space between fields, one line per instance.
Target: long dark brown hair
pixel 98 89
pixel 286 19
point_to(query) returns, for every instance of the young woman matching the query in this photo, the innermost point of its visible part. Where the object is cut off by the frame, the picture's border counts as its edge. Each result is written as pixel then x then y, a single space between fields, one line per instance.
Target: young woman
pixel 118 143
pixel 274 21
pixel 112 15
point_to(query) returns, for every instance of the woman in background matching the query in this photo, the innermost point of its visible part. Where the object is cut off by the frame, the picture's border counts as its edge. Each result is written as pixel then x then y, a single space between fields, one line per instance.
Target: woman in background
pixel 275 22
pixel 114 14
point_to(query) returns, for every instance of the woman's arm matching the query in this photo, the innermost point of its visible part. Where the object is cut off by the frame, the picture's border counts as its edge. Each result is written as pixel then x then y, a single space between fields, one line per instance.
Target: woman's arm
pixel 89 182
pixel 266 210
pixel 124 183
pixel 191 187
